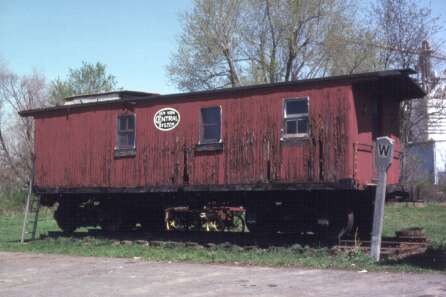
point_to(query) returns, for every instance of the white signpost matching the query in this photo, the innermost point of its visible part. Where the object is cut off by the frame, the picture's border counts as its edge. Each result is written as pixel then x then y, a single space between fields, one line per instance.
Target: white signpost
pixel 383 159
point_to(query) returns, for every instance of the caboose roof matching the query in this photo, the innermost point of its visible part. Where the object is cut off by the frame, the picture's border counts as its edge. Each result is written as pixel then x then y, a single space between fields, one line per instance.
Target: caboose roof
pixel 112 94
pixel 398 80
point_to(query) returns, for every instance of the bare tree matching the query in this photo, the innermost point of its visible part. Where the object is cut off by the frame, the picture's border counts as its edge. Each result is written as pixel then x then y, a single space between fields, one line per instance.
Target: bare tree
pixel 233 42
pixel 401 27
pixel 350 50
pixel 230 43
pixel 209 46
pixel 282 39
pixel 16 133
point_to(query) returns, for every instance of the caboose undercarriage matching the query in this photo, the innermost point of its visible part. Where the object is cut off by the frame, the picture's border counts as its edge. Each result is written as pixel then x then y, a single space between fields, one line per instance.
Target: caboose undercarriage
pixel 328 213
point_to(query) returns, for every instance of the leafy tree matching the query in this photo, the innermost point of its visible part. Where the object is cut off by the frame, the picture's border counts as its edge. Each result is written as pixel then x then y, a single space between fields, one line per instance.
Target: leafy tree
pixel 89 78
pixel 209 46
pixel 231 43
pixel 237 42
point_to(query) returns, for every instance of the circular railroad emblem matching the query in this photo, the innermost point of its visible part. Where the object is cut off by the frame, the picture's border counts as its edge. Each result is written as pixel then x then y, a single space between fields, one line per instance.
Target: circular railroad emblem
pixel 166 119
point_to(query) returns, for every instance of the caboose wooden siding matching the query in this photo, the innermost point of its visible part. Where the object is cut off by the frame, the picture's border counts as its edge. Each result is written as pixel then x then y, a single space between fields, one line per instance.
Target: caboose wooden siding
pixel 75 146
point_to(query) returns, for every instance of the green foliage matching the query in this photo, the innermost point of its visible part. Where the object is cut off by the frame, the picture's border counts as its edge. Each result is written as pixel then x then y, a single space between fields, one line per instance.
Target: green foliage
pixel 12 202
pixel 240 42
pixel 231 43
pixel 432 218
pixel 89 78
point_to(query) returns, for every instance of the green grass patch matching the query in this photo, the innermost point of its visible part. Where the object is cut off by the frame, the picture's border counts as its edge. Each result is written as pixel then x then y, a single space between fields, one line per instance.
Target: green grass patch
pixel 432 218
pixel 12 202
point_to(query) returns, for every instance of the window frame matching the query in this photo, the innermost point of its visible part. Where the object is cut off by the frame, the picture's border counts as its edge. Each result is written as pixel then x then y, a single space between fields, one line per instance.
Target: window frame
pixel 127 149
pixel 286 118
pixel 202 125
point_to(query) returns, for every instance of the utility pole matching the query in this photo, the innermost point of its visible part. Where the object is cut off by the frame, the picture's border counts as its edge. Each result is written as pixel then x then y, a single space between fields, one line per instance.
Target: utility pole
pixel 427 76
pixel 383 160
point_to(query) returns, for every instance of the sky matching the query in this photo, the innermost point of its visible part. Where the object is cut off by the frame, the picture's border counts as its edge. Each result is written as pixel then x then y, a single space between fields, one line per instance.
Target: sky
pixel 133 38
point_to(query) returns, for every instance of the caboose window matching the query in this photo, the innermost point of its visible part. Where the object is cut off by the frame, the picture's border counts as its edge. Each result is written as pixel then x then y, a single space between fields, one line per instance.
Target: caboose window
pixel 296 117
pixel 210 124
pixel 126 132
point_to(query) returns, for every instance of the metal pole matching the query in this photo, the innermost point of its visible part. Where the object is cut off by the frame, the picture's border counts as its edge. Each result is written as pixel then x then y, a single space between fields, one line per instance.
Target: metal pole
pixel 378 215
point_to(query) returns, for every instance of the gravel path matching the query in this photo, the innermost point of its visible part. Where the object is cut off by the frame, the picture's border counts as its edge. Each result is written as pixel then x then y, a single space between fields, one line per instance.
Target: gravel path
pixel 27 274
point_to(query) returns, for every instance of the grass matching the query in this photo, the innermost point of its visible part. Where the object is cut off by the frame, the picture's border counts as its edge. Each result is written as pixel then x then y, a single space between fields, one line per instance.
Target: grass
pixel 432 218
pixel 11 202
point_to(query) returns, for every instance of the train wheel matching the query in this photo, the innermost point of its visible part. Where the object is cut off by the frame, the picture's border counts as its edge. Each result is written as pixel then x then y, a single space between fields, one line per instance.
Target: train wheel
pixel 65 217
pixel 239 223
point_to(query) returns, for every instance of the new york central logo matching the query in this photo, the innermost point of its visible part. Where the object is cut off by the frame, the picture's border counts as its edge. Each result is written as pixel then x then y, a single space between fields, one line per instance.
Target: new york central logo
pixel 166 119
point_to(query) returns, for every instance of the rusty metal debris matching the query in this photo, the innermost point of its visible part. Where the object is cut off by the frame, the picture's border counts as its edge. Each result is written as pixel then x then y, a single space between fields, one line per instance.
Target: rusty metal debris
pixel 210 218
pixel 405 243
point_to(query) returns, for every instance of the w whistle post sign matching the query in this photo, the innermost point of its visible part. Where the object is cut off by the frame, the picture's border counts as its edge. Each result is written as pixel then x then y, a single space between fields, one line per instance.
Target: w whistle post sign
pixel 383 160
pixel 384 153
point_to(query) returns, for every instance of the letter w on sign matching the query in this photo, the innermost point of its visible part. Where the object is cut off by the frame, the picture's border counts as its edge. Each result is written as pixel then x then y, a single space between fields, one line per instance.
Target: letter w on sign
pixel 384 154
pixel 383 150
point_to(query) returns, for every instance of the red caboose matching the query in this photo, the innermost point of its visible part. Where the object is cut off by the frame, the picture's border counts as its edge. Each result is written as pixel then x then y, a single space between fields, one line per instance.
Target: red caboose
pixel 297 155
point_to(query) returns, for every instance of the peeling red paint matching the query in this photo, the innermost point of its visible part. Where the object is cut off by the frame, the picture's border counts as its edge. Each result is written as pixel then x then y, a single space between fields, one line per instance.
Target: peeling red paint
pixel 75 148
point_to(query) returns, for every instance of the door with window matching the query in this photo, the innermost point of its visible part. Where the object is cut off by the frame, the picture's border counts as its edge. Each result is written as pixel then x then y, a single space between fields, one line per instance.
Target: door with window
pixel 202 164
pixel 297 161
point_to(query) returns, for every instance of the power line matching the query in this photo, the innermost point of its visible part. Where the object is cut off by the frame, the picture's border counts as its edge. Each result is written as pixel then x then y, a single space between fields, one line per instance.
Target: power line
pixel 414 51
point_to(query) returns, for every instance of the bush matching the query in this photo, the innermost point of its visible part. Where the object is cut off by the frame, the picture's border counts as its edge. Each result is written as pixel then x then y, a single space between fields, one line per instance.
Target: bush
pixel 426 191
pixel 12 201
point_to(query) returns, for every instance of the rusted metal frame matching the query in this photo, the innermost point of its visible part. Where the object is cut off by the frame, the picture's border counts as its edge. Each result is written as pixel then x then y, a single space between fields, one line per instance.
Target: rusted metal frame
pixel 197 188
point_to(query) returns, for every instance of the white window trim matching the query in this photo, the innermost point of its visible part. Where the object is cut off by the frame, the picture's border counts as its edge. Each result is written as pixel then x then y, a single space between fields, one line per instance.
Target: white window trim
pixel 286 117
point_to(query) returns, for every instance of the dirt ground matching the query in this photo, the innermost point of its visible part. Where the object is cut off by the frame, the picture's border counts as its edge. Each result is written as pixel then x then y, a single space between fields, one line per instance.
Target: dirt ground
pixel 23 274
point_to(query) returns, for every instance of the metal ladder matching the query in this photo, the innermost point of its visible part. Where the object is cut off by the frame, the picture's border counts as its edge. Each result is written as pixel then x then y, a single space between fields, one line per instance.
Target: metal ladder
pixel 31 214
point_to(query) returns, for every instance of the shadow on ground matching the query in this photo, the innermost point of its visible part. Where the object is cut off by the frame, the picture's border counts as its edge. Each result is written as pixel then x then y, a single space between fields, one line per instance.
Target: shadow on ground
pixel 433 258
pixel 242 239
